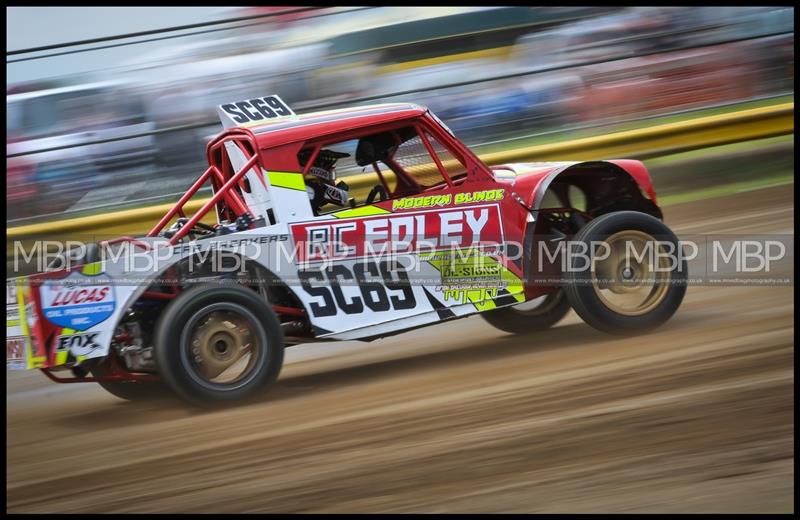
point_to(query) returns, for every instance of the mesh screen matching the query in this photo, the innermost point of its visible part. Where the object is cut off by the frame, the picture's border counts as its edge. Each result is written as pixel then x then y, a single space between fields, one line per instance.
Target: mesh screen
pixel 414 158
pixel 454 168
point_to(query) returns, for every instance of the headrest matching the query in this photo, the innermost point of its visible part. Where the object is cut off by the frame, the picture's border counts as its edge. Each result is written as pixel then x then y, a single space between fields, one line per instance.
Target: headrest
pixel 375 148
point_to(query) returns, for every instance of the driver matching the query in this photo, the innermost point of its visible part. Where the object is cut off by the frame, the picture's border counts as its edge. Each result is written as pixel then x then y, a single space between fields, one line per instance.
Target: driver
pixel 321 182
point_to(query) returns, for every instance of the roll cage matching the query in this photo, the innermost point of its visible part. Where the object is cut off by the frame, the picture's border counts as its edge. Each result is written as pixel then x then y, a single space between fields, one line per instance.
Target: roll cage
pixel 384 139
pixel 224 182
pixel 381 144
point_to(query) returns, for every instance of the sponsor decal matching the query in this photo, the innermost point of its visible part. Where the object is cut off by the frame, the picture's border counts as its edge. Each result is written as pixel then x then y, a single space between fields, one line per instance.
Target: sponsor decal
pixel 460 272
pixel 419 232
pixel 77 301
pixel 478 279
pixel 475 296
pixel 229 244
pixel 81 344
pixel 429 201
pixel 30 315
pixel 11 294
pixel 13 323
pixel 15 353
pixel 479 196
pixel 475 279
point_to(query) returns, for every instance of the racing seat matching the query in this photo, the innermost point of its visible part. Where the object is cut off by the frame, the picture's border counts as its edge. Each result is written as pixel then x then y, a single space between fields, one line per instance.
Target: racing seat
pixel 382 147
pixel 369 151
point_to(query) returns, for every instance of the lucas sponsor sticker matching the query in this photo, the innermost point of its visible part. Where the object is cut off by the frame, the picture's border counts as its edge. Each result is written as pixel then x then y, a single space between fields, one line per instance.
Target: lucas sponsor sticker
pixel 76 302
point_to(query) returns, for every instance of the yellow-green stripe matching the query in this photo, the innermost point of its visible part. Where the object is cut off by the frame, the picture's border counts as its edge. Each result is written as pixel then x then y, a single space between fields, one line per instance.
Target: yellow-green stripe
pixel 289 180
pixel 363 211
pixel 92 269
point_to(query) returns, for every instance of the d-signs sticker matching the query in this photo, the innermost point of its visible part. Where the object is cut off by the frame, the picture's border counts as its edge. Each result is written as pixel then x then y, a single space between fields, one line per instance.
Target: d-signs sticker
pixel 77 301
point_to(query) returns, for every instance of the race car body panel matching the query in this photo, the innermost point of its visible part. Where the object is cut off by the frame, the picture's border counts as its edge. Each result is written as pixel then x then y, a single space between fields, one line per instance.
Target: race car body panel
pixel 71 316
pixel 427 253
pixel 535 178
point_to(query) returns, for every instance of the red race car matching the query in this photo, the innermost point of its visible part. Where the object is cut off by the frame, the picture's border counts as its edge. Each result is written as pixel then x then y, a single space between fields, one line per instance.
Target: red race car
pixel 350 224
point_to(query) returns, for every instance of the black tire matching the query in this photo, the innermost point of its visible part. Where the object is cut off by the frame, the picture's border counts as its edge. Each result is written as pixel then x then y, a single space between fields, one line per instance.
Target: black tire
pixel 176 357
pixel 132 390
pixel 519 320
pixel 584 298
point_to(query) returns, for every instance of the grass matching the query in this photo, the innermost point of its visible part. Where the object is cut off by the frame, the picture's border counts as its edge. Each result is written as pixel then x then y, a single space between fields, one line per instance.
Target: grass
pixel 719 169
pixel 723 170
pixel 747 146
pixel 728 189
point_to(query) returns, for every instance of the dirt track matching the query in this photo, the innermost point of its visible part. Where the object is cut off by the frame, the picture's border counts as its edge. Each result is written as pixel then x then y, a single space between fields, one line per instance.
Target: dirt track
pixel 695 417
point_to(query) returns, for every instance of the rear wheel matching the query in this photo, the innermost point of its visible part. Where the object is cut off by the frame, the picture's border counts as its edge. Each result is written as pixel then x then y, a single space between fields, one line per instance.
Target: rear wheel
pixel 218 343
pixel 633 283
pixel 535 315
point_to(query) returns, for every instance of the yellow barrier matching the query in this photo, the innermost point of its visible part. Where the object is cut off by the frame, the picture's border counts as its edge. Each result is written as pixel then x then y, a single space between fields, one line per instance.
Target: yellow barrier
pixel 683 136
pixel 744 125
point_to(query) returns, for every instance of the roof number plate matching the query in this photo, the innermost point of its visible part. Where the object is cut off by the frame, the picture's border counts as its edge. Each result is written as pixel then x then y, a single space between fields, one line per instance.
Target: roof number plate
pixel 253 112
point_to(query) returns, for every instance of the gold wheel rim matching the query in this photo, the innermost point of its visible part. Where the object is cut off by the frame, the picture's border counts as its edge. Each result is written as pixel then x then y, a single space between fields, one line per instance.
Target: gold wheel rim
pixel 633 279
pixel 222 347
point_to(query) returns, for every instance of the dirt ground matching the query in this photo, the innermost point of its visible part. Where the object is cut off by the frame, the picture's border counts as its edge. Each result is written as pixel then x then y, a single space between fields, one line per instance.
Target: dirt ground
pixel 695 417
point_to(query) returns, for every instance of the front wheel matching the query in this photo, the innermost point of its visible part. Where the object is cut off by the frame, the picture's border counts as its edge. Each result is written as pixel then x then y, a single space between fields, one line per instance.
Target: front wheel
pixel 535 315
pixel 634 278
pixel 218 343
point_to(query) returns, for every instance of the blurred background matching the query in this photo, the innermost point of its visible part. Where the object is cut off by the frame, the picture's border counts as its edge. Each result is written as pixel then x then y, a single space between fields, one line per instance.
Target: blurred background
pixel 122 122
pixel 110 108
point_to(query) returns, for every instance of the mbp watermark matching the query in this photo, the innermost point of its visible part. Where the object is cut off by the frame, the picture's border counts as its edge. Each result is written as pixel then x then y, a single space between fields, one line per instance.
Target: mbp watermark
pixel 748 256
pixel 579 256
pixel 462 253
